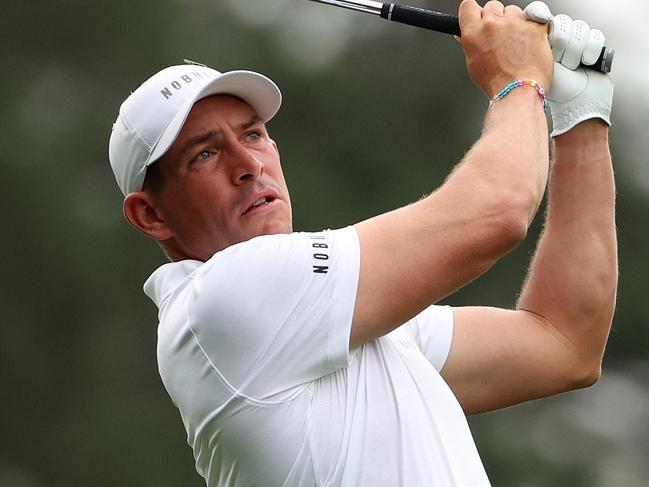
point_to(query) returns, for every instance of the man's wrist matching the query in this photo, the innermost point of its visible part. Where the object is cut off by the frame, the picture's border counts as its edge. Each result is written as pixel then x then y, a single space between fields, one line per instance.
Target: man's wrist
pixel 594 130
pixel 585 145
pixel 521 83
pixel 499 83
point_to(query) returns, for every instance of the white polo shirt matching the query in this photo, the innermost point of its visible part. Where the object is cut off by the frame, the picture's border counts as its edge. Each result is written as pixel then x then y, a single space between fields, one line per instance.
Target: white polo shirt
pixel 253 348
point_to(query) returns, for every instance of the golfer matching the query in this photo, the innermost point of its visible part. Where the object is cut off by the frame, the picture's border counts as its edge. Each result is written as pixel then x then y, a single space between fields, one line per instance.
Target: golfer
pixel 303 359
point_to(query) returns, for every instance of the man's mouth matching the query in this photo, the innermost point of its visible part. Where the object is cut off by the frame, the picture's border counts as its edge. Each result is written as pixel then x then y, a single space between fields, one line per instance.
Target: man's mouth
pixel 263 201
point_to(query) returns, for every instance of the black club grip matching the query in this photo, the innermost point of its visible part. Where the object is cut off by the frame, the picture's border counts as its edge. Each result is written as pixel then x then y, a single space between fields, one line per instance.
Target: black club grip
pixel 450 24
pixel 419 17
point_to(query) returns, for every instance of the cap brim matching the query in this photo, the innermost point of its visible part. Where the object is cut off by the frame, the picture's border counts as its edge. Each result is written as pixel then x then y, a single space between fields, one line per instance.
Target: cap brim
pixel 260 92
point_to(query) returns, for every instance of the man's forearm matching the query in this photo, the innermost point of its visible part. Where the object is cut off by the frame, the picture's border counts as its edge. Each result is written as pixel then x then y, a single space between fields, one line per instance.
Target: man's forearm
pixel 573 277
pixel 458 232
pixel 509 161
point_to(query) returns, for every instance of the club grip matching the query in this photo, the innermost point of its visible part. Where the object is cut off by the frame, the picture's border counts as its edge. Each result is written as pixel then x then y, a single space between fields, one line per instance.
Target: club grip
pixel 450 24
pixel 419 17
pixel 605 61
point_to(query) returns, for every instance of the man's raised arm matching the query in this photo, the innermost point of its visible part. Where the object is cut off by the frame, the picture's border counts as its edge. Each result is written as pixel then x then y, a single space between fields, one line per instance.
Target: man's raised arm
pixel 412 257
pixel 555 340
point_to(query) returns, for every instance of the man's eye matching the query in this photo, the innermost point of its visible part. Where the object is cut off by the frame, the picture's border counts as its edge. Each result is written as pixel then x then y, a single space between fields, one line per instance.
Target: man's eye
pixel 203 155
pixel 256 135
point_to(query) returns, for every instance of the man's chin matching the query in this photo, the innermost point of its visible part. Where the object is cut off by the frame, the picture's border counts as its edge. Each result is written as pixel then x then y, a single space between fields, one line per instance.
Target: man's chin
pixel 275 228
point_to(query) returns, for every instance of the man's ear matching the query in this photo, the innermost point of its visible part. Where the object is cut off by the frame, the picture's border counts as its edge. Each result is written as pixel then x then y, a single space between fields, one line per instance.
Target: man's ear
pixel 141 212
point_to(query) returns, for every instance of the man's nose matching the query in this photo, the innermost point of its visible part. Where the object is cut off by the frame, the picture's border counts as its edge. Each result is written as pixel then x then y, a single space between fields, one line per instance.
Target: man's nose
pixel 245 166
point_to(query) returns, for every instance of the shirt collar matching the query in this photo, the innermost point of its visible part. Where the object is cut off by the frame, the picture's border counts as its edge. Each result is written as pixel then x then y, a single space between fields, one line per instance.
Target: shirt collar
pixel 167 278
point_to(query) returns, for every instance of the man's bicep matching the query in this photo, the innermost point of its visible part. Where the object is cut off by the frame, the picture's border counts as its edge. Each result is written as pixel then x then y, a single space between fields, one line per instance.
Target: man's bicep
pixel 414 256
pixel 500 357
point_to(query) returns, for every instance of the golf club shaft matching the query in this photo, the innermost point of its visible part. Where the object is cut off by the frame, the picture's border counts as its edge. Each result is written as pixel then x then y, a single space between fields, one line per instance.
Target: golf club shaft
pixel 437 21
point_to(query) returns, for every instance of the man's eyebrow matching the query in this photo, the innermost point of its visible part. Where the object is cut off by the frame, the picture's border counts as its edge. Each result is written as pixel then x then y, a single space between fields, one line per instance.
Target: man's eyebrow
pixel 204 137
pixel 200 139
pixel 253 121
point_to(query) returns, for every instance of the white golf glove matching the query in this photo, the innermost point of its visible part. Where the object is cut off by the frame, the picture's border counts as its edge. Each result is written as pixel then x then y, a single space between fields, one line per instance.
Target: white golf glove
pixel 576 94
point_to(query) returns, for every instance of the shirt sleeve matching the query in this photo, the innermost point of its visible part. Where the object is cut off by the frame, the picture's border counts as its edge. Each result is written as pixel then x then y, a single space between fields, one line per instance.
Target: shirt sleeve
pixel 432 331
pixel 275 312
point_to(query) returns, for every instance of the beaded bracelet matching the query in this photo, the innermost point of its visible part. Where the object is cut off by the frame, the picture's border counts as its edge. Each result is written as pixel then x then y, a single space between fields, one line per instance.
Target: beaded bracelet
pixel 522 82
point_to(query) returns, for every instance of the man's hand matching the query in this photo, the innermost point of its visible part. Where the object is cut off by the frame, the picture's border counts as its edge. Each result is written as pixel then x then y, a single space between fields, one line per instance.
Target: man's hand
pixel 577 94
pixel 501 46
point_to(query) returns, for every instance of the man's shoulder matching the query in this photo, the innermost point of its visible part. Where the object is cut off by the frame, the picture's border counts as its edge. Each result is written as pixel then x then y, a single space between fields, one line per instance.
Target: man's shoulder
pixel 264 265
pixel 282 252
pixel 167 278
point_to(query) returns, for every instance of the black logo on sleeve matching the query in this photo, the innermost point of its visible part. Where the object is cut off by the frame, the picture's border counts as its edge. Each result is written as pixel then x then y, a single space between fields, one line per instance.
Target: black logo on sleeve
pixel 320 254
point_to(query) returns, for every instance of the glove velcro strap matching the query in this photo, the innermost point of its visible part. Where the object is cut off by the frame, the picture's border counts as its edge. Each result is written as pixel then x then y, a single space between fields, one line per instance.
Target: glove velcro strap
pixel 567 120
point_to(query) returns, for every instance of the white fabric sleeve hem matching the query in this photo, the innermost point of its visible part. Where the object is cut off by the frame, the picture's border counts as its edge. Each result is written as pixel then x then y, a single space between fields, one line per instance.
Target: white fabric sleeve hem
pixel 432 331
pixel 338 346
pixel 445 337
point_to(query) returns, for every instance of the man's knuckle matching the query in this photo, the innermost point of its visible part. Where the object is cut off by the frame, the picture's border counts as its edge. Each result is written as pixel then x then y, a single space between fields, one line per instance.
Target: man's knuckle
pixel 491 24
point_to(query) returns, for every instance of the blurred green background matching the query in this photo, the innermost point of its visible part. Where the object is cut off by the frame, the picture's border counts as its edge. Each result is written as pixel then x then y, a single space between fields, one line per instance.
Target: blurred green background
pixel 375 115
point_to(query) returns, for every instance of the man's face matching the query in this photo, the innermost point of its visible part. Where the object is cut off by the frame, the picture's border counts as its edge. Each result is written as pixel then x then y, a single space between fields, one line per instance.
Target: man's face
pixel 223 181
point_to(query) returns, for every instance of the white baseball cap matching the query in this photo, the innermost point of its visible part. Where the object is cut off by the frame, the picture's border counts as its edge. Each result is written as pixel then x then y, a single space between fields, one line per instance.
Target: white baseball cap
pixel 151 118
